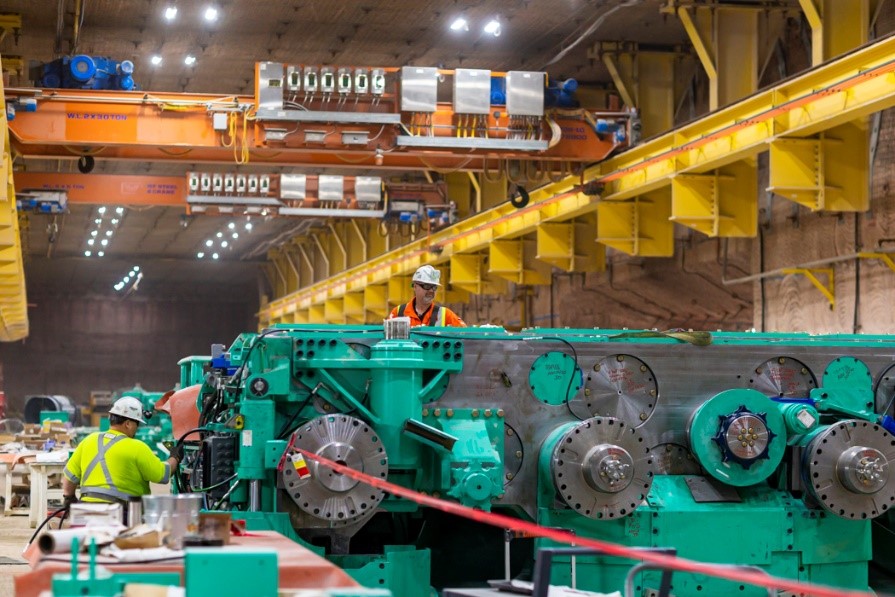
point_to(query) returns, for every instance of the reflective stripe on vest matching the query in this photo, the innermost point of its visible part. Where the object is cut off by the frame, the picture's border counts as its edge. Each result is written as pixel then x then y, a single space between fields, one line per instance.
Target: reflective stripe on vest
pixel 100 460
pixel 438 314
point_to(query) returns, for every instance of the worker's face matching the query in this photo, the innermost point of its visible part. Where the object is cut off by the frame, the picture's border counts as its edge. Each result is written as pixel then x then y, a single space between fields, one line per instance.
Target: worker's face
pixel 425 294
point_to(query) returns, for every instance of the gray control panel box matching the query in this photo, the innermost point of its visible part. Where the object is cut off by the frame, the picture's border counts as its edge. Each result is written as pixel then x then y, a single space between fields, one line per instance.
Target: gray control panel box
pixel 525 93
pixel 368 191
pixel 270 85
pixel 472 91
pixel 293 187
pixel 419 89
pixel 331 188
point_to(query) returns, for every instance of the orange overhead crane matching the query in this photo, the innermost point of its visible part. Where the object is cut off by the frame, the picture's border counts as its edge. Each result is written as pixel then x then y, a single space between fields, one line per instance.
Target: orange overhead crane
pixel 402 125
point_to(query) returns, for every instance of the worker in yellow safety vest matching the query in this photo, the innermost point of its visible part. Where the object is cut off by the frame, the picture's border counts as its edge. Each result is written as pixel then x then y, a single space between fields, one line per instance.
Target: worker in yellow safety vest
pixel 114 467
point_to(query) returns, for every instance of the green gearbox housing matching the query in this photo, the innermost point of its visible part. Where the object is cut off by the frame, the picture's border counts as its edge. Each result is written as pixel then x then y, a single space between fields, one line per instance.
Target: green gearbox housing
pixel 768 450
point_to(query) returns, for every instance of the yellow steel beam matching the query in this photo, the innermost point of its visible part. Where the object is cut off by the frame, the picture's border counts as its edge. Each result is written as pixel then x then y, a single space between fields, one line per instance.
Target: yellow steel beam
pixel 13 302
pixel 838 92
pixel 570 245
pixel 811 9
pixel 639 226
pixel 703 51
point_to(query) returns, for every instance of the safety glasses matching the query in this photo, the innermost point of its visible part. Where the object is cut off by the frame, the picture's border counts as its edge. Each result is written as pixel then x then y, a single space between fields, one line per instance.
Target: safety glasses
pixel 427 287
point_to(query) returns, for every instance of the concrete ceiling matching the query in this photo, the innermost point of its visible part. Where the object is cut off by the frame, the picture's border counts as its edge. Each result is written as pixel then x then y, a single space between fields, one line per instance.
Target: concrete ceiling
pixel 551 35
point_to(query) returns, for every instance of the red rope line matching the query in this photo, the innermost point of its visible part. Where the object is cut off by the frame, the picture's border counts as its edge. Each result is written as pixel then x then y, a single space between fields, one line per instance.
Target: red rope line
pixel 535 530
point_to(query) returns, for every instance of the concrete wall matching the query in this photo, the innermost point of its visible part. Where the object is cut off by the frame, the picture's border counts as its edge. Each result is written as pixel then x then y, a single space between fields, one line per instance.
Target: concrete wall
pixel 83 343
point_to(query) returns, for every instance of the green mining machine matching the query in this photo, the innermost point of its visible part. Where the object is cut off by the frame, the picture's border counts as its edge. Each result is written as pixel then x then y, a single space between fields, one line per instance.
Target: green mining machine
pixel 154 433
pixel 766 450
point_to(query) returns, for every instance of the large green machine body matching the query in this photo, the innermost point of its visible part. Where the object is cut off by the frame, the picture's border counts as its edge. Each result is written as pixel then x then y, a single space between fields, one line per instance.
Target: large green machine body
pixel 764 450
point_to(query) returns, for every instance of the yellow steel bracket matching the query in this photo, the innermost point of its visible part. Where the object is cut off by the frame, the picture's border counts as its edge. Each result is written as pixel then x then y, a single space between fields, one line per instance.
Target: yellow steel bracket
pixel 828 290
pixel 10 22
pixel 884 257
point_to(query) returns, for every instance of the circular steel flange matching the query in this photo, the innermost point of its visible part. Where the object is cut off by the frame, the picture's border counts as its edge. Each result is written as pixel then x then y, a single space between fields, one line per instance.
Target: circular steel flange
pixel 326 494
pixel 847 468
pixel 784 377
pixel 738 436
pixel 623 387
pixel 602 468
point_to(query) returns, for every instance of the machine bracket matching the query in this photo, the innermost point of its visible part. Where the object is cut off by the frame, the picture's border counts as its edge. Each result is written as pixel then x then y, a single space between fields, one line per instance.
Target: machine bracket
pixel 828 290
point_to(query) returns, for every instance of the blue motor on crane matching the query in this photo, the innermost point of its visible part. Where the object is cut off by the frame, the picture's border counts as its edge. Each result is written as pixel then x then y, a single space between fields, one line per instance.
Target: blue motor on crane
pixel 561 94
pixel 85 72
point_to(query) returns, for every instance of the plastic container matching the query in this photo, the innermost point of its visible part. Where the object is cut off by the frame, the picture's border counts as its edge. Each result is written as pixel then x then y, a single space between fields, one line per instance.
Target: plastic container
pixel 177 516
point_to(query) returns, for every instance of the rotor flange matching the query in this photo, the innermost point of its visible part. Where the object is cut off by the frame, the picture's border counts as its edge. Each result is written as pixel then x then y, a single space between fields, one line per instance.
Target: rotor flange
pixel 847 469
pixel 326 494
pixel 602 468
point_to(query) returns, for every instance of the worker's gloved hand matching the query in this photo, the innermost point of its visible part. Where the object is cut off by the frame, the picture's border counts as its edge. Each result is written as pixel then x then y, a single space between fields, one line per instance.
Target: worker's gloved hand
pixel 177 451
pixel 68 500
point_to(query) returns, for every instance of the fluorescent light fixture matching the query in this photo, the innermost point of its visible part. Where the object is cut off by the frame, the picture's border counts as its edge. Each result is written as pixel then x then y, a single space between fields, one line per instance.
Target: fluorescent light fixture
pixel 87 253
pixel 156 60
pixel 492 27
pixel 171 13
pixel 460 24
pixel 211 14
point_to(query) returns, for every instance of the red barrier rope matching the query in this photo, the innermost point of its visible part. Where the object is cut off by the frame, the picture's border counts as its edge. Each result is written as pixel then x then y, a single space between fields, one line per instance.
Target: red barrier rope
pixel 534 530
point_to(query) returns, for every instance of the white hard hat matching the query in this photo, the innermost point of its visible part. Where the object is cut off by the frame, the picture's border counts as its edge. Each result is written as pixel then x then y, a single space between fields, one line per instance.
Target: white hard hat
pixel 129 408
pixel 427 275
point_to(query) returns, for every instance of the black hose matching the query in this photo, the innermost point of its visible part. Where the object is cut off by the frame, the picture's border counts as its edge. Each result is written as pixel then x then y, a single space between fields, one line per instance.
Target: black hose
pixel 46 520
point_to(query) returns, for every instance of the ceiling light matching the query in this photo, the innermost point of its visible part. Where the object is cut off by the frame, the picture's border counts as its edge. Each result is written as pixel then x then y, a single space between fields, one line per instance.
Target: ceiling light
pixel 231 225
pixel 224 244
pixel 493 27
pixel 114 220
pixel 104 242
pixel 189 60
pixel 100 254
pixel 119 286
pixel 136 268
pixel 208 243
pixel 156 60
pixel 119 210
pixel 219 234
pixel 87 253
pixel 90 241
pixel 249 226
pixel 102 209
pixel 94 232
pixel 211 13
pixel 171 13
pixel 460 24
pixel 200 254
pixel 98 221
pixel 108 233
pixel 214 255
pixel 126 279
pixel 235 235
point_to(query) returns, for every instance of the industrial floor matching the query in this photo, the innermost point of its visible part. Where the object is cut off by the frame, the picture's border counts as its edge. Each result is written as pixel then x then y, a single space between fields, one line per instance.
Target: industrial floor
pixel 14 535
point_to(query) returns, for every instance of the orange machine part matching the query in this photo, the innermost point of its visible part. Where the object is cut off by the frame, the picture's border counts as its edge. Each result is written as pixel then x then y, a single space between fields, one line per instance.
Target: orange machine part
pixel 181 405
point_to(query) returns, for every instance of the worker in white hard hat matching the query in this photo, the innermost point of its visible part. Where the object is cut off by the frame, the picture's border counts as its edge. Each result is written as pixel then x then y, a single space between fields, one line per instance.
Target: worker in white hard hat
pixel 112 466
pixel 422 308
